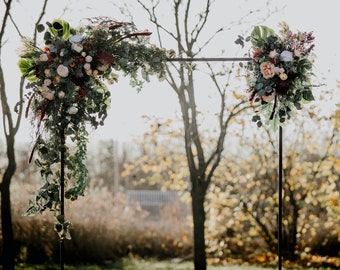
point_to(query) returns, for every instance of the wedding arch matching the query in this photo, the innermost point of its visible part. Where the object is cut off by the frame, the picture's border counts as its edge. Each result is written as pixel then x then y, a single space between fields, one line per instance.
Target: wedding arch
pixel 67 95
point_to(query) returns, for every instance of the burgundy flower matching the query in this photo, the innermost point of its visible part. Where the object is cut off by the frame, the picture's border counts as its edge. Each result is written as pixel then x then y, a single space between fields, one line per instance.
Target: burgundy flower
pixel 105 59
pixel 282 87
pixel 258 52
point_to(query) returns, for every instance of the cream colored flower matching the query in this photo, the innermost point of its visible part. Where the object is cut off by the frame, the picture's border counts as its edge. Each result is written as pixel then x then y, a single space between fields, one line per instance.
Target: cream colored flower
pixel 103 67
pixel 62 71
pixel 77 47
pixel 268 98
pixel 88 72
pixel 283 76
pixel 44 90
pixel 61 94
pixel 47 72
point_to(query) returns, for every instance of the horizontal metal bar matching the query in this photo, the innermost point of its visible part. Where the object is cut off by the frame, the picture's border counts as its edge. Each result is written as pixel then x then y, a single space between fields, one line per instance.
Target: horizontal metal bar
pixel 209 59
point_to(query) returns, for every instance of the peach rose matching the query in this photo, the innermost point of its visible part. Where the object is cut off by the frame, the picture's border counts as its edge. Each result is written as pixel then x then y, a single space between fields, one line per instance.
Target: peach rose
pixel 267 70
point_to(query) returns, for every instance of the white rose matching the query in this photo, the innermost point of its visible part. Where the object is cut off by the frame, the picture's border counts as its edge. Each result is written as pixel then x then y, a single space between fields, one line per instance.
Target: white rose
pixel 77 47
pixel 62 71
pixel 72 110
pixel 87 66
pixel 88 59
pixel 61 94
pixel 286 56
pixel 75 39
pixel 43 57
pixel 83 54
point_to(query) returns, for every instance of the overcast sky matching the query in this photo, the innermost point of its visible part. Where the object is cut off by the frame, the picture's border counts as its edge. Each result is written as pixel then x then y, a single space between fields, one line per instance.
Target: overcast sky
pixel 124 122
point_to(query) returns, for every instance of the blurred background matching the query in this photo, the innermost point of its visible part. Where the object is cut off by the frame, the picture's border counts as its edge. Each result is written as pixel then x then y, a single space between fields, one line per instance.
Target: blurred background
pixel 138 197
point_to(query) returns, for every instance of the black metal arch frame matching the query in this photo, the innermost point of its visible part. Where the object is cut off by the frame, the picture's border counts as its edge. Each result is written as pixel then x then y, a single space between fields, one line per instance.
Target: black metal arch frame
pixel 280 186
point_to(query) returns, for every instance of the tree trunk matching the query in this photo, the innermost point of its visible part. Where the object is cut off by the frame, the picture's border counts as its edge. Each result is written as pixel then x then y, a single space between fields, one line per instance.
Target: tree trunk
pixel 291 232
pixel 8 254
pixel 197 195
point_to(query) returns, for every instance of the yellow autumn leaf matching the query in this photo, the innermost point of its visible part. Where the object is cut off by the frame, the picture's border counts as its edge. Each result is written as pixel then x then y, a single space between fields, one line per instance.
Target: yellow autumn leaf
pixel 237 96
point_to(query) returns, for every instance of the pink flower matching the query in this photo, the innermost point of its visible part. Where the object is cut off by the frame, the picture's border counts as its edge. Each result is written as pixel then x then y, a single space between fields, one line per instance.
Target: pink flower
pixel 273 53
pixel 50 95
pixel 43 57
pixel 62 71
pixel 87 66
pixel 47 82
pixel 88 59
pixel 257 53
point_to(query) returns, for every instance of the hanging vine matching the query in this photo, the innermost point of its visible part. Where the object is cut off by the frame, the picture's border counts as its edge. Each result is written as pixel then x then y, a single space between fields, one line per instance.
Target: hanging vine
pixel 67 95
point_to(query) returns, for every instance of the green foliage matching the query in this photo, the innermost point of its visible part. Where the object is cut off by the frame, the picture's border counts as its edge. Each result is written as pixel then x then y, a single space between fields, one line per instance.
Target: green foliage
pixel 279 75
pixel 260 34
pixel 68 94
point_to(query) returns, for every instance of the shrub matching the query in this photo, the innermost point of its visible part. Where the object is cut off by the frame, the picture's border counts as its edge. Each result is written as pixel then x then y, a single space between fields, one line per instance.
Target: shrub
pixel 104 228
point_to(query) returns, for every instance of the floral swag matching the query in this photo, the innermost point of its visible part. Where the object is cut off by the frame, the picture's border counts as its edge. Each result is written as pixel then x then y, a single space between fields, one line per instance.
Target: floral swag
pixel 279 74
pixel 67 95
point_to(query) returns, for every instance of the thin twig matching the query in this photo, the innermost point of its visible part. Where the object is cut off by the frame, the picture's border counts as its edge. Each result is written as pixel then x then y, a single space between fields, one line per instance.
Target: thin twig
pixel 208 59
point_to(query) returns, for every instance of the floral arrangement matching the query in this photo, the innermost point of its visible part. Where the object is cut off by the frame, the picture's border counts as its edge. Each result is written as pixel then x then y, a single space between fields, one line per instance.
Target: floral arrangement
pixel 68 94
pixel 279 74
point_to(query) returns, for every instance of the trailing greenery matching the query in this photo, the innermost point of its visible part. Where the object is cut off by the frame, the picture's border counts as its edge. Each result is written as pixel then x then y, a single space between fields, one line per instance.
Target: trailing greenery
pixel 68 94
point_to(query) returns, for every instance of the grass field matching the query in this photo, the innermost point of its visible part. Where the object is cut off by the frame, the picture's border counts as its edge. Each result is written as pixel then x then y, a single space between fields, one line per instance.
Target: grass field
pixel 144 265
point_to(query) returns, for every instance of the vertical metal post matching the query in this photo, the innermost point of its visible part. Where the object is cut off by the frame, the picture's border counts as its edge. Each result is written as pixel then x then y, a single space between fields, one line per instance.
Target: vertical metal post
pixel 62 193
pixel 280 191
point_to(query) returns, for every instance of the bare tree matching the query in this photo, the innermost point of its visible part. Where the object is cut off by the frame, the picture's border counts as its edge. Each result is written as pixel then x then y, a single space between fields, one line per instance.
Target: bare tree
pixel 10 127
pixel 202 162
